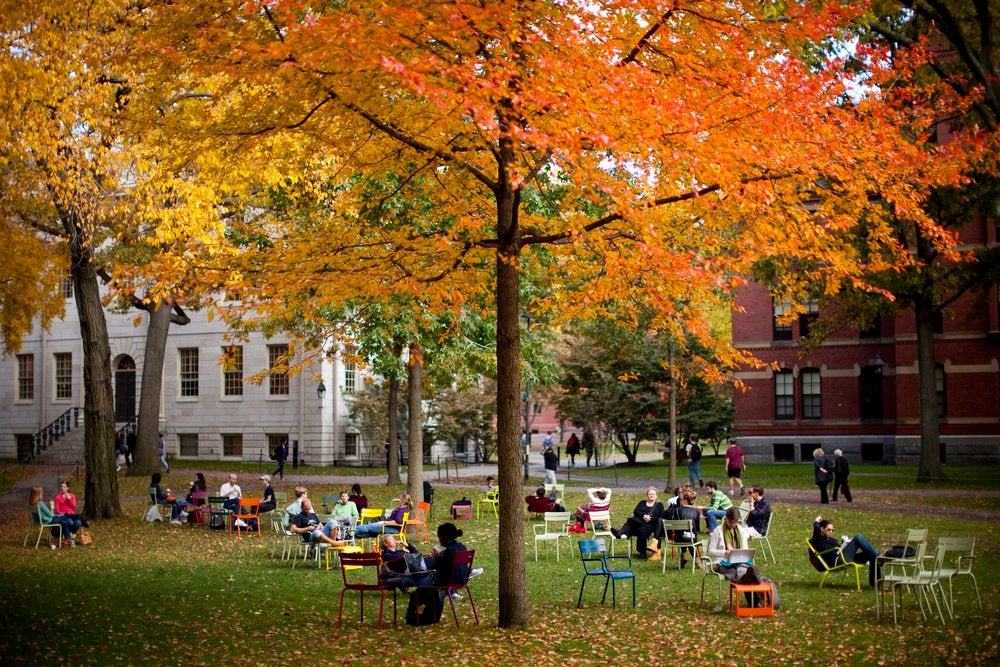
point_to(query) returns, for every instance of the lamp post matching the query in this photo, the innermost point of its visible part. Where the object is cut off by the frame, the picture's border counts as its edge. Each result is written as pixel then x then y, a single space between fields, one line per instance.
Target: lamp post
pixel 321 391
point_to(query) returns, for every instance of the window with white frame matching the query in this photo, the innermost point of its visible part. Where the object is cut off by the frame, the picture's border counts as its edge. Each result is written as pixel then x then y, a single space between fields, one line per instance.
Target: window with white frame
pixel 25 377
pixel 277 359
pixel 784 395
pixel 351 445
pixel 66 286
pixel 63 375
pixel 782 329
pixel 811 397
pixel 350 372
pixel 232 370
pixel 188 363
pixel 232 444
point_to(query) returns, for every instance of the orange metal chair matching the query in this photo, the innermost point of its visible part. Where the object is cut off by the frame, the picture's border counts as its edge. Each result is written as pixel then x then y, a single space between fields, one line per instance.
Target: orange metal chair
pixel 361 563
pixel 419 521
pixel 249 509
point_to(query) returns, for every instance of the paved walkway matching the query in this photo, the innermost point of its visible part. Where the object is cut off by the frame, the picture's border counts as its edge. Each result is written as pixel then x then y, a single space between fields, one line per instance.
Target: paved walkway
pixel 12 503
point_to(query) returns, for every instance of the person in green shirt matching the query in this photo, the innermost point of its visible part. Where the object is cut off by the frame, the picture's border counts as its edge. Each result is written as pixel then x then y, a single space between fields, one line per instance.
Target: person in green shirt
pixel 718 503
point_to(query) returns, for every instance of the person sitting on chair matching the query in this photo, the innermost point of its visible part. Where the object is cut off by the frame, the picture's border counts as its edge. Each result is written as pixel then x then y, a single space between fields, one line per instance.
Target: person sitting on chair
pixel 600 501
pixel 857 549
pixel 267 500
pixel 232 492
pixel 295 508
pixel 718 503
pixel 308 526
pixel 396 567
pixel 684 510
pixel 390 525
pixel 643 522
pixel 760 512
pixel 359 499
pixel 729 535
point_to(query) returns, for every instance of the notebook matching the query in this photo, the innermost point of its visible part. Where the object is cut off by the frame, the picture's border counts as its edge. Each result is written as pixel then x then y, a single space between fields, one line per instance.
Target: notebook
pixel 739 556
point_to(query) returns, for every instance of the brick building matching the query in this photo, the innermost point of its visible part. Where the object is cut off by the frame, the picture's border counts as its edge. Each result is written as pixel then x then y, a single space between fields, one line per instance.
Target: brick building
pixel 859 390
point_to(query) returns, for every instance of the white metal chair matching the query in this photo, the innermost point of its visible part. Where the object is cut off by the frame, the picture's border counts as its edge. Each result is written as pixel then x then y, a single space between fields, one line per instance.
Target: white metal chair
pixel 763 539
pixel 554 526
pixel 37 521
pixel 601 517
pixel 965 548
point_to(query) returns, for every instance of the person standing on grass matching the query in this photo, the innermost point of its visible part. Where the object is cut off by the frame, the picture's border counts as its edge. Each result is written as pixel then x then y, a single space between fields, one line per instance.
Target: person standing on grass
pixel 841 471
pixel 572 448
pixel 735 465
pixel 551 464
pixel 161 450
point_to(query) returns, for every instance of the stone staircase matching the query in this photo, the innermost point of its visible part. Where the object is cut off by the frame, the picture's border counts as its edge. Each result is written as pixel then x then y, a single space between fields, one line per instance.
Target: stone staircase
pixel 61 442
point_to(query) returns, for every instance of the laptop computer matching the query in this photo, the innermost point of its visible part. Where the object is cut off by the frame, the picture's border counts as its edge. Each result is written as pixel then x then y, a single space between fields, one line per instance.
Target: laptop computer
pixel 740 556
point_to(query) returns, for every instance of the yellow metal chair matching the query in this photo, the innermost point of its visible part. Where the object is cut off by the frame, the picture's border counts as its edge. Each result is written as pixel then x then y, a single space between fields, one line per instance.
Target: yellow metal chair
pixel 842 565
pixel 491 500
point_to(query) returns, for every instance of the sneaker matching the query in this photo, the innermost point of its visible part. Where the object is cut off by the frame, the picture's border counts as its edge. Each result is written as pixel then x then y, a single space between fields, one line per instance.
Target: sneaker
pixel 53 544
pixel 240 523
pixel 183 516
pixel 72 536
pixel 176 522
pixel 455 595
pixel 476 571
pixel 72 543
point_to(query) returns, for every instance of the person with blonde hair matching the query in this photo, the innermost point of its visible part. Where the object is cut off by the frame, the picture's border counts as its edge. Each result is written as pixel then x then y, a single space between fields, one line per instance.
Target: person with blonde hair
pixel 69 525
pixel 391 525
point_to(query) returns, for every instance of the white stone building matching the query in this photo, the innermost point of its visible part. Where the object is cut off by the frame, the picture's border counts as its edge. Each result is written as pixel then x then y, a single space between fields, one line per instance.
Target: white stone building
pixel 207 410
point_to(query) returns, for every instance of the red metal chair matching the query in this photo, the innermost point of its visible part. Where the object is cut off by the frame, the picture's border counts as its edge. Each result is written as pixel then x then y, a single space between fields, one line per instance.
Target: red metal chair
pixel 359 563
pixel 200 501
pixel 461 559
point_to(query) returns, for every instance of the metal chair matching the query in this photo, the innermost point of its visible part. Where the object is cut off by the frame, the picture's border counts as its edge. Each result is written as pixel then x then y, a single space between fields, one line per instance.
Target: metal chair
pixel 603 517
pixel 359 563
pixel 249 514
pixel 842 565
pixel 965 550
pixel 597 563
pixel 458 579
pixel 554 526
pixel 491 500
pixel 419 521
pixel 679 528
pixel 37 521
pixel 763 539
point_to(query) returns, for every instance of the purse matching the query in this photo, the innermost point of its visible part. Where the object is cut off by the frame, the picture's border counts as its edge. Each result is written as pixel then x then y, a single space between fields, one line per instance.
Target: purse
pixel 84 538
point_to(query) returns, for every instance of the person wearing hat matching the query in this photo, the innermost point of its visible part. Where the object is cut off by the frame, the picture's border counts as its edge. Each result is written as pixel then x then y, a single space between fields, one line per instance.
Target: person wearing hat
pixel 267 500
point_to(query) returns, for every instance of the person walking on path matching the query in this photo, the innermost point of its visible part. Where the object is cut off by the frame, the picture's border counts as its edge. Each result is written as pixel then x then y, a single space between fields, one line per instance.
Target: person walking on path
pixel 841 471
pixel 161 449
pixel 693 451
pixel 589 446
pixel 280 454
pixel 823 469
pixel 735 465
pixel 572 448
pixel 551 464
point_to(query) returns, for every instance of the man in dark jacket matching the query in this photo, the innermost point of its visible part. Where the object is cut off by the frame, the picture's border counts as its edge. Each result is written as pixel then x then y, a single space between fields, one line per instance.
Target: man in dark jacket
pixel 551 465
pixel 857 549
pixel 760 512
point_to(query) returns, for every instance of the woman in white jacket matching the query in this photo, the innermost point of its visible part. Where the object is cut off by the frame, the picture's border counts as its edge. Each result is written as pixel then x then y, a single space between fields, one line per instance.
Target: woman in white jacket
pixel 728 535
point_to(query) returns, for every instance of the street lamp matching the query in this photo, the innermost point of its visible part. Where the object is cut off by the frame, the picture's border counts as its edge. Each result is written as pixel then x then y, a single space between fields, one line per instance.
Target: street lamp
pixel 877 363
pixel 321 391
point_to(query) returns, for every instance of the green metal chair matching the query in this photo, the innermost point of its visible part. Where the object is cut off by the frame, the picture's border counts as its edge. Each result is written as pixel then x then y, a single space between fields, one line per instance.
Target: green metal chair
pixel 37 522
pixel 965 547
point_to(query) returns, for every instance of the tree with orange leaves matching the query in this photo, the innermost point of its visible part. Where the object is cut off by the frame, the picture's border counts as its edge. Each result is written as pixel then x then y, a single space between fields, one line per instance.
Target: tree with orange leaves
pixel 610 148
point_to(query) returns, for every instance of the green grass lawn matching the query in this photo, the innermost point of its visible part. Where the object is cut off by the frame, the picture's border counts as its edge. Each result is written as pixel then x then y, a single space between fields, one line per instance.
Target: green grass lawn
pixel 169 595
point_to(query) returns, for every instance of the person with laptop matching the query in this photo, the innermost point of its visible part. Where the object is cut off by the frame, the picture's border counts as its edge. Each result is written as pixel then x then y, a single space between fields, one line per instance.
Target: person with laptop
pixel 727 547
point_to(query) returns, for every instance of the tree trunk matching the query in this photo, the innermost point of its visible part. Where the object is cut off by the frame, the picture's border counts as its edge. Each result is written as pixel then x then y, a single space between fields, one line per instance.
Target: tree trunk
pixel 514 610
pixel 415 433
pixel 101 482
pixel 392 453
pixel 146 460
pixel 930 469
pixel 672 477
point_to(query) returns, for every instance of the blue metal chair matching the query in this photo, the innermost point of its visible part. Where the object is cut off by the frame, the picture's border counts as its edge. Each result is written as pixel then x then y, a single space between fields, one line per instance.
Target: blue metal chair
pixel 597 563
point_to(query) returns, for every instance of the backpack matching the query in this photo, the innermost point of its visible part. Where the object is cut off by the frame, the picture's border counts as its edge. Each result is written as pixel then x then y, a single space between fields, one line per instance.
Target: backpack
pixel 775 597
pixel 695 452
pixel 424 608
pixel 276 453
